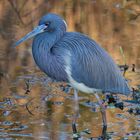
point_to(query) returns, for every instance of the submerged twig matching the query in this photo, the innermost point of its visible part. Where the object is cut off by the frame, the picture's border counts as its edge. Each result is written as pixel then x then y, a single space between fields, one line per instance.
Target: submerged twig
pixel 122 53
pixel 27 87
pixel 125 66
pixel 133 67
pixel 28 108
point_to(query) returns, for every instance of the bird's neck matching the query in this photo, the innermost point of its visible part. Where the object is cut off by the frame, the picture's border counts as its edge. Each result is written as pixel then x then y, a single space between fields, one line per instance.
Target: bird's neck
pixel 47 40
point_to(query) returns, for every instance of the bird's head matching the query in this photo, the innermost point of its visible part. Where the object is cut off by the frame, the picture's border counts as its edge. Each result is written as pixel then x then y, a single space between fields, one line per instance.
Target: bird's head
pixel 48 23
pixel 52 22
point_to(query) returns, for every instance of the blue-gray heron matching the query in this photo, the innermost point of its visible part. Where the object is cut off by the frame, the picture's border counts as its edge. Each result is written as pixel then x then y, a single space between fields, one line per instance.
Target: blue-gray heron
pixel 75 58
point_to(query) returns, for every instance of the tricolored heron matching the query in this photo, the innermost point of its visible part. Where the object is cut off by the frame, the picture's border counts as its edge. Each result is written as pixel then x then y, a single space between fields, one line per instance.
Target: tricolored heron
pixel 74 58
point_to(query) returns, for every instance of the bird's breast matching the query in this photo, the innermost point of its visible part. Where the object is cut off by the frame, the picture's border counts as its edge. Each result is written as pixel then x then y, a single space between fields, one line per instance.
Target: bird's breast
pixel 50 63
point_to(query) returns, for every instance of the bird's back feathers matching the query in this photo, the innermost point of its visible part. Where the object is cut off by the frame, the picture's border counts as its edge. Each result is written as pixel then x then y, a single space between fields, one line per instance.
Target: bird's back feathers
pixel 90 64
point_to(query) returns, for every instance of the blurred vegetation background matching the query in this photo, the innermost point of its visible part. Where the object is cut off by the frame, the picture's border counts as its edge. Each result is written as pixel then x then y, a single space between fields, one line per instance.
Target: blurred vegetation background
pixel 112 23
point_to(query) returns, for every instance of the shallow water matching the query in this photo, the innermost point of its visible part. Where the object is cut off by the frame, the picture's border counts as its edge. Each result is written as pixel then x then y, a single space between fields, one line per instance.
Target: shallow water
pixel 32 106
pixel 45 112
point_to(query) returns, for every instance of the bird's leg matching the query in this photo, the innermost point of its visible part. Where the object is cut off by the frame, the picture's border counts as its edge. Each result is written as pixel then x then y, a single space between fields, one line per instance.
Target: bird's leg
pixel 103 110
pixel 104 133
pixel 76 111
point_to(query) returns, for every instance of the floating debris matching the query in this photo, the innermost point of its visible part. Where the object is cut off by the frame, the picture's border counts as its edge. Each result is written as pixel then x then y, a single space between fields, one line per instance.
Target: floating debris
pixel 135 111
pixel 66 88
pixel 122 116
pixel 20 135
pixel 78 135
pixel 6 123
pixel 136 94
pixel 132 134
pixel 21 127
pixel 110 99
pixel 87 131
pixel 57 102
pixel 114 101
pixel 6 112
pixel 8 101
pixel 119 105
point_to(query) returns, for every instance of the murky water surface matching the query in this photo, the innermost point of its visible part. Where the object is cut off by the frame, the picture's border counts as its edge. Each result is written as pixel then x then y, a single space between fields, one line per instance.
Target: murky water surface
pixel 34 107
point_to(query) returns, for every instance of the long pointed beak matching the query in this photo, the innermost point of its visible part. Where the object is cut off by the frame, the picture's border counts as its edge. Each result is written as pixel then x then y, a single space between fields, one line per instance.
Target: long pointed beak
pixel 35 31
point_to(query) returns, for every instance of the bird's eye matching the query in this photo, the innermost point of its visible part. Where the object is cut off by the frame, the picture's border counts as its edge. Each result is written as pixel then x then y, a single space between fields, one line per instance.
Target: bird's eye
pixel 47 23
